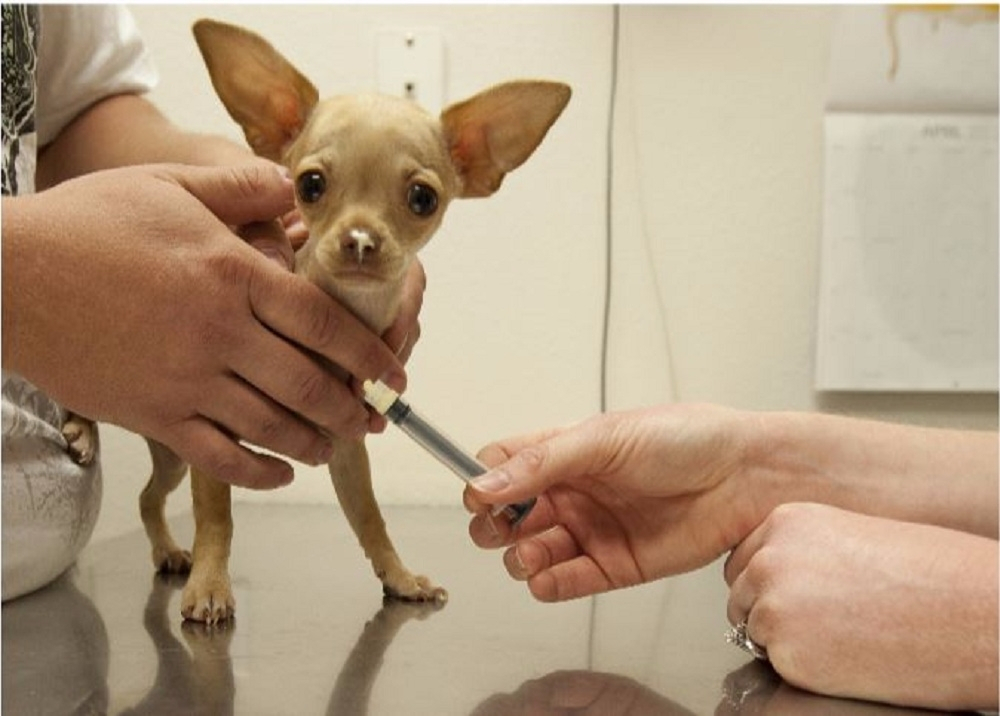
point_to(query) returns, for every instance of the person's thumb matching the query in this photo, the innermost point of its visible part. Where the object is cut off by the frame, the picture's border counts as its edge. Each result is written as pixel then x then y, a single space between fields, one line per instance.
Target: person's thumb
pixel 240 195
pixel 536 464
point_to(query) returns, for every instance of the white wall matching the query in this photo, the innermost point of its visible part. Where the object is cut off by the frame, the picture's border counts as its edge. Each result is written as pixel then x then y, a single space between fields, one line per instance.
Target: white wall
pixel 718 212
pixel 716 216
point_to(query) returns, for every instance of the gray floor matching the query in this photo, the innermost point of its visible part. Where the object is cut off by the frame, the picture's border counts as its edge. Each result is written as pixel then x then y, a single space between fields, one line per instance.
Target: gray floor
pixel 312 636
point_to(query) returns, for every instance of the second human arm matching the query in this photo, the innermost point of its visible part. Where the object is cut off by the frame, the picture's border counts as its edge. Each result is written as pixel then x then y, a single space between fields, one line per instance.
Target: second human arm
pixel 629 497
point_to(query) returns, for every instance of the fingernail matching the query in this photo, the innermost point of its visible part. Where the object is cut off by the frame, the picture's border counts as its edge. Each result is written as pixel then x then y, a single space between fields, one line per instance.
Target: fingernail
pixel 492 481
pixel 517 568
pixel 492 527
pixel 402 344
pixel 325 453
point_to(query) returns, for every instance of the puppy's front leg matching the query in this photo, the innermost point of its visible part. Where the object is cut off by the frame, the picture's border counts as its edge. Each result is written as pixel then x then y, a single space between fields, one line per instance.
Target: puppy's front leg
pixel 208 596
pixel 351 474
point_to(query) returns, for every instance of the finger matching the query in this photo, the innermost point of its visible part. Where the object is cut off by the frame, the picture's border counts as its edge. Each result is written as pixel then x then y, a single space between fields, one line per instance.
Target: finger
pixel 407 344
pixel 377 423
pixel 304 314
pixel 535 554
pixel 477 507
pixel 740 556
pixel 744 574
pixel 532 469
pixel 572 579
pixel 241 194
pixel 742 596
pixel 296 381
pixel 295 229
pixel 744 607
pixel 489 531
pixel 483 528
pixel 255 418
pixel 499 452
pixel 496 454
pixel 204 446
pixel 404 332
pixel 555 567
pixel 269 239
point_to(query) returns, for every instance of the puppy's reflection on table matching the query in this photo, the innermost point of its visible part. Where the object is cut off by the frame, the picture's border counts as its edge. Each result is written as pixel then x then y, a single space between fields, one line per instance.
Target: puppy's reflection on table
pixel 352 690
pixel 56 660
pixel 193 680
pixel 199 679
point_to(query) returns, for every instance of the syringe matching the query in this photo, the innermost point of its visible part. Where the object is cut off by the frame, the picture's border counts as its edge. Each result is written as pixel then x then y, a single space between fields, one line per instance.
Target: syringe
pixel 388 403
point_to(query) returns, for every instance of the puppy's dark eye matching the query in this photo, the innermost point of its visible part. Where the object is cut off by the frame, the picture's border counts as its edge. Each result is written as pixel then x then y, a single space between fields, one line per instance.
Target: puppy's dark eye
pixel 422 200
pixel 310 186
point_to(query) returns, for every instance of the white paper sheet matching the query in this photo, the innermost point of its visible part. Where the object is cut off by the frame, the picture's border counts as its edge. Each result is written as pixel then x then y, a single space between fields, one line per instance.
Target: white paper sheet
pixel 908 286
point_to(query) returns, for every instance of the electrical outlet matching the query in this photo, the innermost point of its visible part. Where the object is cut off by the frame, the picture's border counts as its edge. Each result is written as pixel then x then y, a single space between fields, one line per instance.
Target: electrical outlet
pixel 410 63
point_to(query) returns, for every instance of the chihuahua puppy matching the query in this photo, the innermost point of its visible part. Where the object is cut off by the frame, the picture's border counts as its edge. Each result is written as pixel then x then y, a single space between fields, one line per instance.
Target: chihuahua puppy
pixel 373 175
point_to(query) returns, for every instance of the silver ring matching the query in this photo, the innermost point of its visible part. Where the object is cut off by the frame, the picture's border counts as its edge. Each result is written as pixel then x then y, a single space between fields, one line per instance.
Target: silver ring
pixel 738 636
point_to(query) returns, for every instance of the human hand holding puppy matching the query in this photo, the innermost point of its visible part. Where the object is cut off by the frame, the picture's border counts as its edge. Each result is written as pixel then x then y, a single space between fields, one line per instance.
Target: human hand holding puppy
pixel 169 324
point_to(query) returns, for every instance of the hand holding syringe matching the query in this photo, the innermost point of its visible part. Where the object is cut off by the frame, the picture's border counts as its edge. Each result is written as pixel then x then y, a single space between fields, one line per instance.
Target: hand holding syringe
pixel 387 402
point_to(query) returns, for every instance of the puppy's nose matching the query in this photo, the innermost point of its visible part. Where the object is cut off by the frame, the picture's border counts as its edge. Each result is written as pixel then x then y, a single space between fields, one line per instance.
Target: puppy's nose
pixel 360 244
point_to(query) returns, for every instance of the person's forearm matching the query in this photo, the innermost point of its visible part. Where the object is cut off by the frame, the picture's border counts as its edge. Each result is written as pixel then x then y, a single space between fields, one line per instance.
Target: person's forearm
pixel 125 130
pixel 942 477
pixel 20 277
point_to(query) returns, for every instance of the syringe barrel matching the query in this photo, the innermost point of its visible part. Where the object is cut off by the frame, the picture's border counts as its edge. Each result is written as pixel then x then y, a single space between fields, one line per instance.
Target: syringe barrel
pixel 437 444
pixel 447 452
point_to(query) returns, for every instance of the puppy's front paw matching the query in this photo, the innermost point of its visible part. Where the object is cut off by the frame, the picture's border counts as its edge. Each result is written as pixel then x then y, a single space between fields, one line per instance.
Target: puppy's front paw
pixel 81 439
pixel 413 588
pixel 208 599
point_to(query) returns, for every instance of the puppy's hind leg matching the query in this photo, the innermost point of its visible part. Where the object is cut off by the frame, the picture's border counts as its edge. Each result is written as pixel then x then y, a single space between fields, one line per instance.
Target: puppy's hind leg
pixel 351 474
pixel 168 471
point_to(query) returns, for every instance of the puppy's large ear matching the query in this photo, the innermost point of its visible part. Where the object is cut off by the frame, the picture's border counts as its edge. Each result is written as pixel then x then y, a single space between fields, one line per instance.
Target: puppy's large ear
pixel 495 131
pixel 261 90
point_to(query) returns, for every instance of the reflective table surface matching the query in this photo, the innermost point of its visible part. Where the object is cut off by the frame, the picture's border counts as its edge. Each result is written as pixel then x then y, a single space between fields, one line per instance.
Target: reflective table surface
pixel 313 636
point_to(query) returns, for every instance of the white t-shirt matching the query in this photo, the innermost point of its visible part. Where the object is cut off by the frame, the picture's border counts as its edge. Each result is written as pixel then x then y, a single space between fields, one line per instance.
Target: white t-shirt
pixel 57 61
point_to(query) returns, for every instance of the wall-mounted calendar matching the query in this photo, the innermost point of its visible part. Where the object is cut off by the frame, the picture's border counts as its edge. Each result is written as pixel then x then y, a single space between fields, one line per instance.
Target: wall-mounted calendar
pixel 908 269
pixel 908 285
